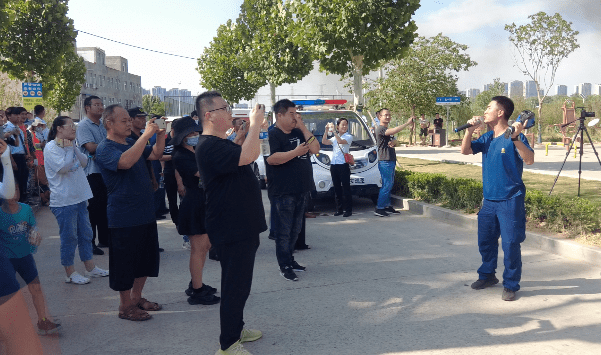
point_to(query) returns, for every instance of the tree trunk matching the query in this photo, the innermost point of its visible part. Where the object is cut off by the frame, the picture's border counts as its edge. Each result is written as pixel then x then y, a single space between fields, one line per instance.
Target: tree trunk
pixel 412 129
pixel 358 80
pixel 272 93
pixel 538 121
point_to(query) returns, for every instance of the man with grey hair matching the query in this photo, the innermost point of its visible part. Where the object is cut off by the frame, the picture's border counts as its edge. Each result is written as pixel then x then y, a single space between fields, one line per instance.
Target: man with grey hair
pixel 231 189
pixel 133 244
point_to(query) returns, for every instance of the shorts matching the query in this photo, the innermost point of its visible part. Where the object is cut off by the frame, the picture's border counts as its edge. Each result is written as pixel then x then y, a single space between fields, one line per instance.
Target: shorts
pixel 423 132
pixel 133 253
pixel 192 213
pixel 8 281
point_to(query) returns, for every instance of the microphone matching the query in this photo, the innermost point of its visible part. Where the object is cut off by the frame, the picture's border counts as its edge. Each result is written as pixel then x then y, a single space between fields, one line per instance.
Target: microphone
pixel 467 125
pixel 526 118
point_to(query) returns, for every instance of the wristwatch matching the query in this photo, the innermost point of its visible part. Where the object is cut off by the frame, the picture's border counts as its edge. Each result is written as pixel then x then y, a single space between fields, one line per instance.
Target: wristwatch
pixel 515 139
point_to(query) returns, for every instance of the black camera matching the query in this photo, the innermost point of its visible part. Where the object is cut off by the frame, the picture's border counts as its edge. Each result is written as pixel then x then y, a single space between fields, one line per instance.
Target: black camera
pixel 584 114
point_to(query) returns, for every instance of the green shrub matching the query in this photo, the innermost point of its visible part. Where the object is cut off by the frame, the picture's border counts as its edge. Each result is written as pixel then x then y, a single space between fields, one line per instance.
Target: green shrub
pixel 577 216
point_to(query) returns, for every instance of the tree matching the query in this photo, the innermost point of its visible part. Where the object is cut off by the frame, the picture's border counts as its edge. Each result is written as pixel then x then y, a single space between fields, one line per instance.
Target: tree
pixel 355 36
pixel 427 71
pixel 219 65
pixel 482 100
pixel 36 42
pixel 270 55
pixel 153 105
pixel 541 45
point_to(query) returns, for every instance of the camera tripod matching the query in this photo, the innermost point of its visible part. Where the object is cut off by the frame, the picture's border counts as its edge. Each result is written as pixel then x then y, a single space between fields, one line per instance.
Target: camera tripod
pixel 581 130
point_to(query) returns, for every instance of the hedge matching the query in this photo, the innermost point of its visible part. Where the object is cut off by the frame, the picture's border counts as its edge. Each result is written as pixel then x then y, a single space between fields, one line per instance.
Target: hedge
pixel 575 215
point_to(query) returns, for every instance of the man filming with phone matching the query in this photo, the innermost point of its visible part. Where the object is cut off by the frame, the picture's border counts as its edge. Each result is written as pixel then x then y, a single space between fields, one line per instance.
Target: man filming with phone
pixel 503 213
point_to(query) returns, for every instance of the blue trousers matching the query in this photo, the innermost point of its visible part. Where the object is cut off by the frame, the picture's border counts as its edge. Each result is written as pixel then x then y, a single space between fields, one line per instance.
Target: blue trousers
pixel 505 219
pixel 287 220
pixel 386 168
pixel 75 232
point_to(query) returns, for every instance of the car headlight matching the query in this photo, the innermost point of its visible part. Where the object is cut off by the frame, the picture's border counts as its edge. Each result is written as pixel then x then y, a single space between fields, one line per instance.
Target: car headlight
pixel 372 156
pixel 323 158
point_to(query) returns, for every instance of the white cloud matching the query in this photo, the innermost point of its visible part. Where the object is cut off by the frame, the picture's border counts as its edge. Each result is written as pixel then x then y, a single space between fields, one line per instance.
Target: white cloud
pixel 470 15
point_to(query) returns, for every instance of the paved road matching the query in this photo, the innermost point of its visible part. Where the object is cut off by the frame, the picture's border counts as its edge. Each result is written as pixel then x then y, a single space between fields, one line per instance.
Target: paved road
pixel 544 164
pixel 396 285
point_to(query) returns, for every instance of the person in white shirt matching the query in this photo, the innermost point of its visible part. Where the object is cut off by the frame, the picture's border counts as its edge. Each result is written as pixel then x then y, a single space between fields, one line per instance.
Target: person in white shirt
pixel 339 168
pixel 70 192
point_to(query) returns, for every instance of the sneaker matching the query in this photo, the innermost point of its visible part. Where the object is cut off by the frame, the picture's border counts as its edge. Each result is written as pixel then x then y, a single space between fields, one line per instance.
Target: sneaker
pixel 508 295
pixel 204 287
pixel 250 335
pixel 391 209
pixel 338 213
pixel 46 327
pixel 97 272
pixel 235 349
pixel 480 284
pixel 201 296
pixel 380 213
pixel 296 267
pixel 187 246
pixel 347 214
pixel 77 279
pixel 288 273
pixel 97 251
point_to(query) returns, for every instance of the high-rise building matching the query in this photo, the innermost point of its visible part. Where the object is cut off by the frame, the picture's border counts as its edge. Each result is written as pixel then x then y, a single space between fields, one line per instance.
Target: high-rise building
pixel 145 92
pixel 472 93
pixel 160 92
pixel 530 89
pixel 597 89
pixel 516 89
pixel 487 87
pixel 561 90
pixel 585 89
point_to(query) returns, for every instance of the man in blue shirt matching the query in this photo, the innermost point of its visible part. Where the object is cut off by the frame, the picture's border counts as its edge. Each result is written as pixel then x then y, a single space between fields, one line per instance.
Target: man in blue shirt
pixel 134 245
pixel 502 213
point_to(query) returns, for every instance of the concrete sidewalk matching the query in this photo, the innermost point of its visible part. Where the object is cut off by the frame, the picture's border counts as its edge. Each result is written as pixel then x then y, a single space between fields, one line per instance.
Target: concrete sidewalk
pixel 396 285
pixel 543 164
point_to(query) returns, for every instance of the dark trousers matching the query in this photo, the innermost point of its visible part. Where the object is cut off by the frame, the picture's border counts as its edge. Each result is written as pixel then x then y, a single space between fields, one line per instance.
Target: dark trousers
pixel 237 263
pixel 505 219
pixel 301 242
pixel 341 179
pixel 97 209
pixel 287 220
pixel 22 175
pixel 171 191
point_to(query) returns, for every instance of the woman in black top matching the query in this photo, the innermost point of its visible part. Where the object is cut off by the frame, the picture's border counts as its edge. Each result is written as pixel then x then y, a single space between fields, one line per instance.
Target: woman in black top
pixel 192 208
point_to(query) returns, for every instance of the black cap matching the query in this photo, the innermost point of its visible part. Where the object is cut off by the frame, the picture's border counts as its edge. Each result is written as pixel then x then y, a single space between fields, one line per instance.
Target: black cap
pixel 136 111
pixel 182 127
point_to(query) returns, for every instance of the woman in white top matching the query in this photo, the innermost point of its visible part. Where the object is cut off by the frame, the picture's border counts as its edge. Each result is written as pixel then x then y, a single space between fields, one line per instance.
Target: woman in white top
pixel 340 170
pixel 70 192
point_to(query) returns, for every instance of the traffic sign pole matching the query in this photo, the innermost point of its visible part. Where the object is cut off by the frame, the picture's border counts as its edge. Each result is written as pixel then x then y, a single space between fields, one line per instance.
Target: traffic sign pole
pixel 448 101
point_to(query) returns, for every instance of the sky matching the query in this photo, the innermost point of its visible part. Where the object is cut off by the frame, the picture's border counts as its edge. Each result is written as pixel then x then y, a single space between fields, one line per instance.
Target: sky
pixel 186 27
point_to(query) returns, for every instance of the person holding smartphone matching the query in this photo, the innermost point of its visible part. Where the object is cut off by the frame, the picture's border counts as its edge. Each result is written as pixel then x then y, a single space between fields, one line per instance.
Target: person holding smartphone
pixel 339 169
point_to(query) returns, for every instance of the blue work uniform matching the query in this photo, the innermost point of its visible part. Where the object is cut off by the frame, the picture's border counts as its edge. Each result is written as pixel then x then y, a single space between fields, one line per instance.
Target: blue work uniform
pixel 503 213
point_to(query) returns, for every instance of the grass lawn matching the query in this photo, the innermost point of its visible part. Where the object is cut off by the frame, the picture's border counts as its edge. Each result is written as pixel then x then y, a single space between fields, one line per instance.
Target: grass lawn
pixel 565 187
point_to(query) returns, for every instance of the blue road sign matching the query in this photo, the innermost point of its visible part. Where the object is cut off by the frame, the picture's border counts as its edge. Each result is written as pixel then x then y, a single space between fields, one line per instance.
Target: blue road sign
pixel 448 100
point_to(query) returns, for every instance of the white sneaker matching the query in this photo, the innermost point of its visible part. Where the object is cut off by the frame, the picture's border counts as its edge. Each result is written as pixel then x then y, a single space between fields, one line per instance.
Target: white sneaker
pixel 77 279
pixel 187 246
pixel 97 272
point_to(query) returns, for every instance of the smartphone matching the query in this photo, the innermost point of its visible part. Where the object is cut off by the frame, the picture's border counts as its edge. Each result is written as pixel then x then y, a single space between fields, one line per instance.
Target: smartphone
pixel 161 123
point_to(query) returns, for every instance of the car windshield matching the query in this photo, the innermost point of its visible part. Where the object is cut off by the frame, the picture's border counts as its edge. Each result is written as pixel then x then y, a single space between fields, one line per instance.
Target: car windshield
pixel 316 122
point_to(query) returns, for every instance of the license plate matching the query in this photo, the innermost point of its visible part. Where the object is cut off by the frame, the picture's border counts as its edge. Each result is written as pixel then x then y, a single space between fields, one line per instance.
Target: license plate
pixel 357 181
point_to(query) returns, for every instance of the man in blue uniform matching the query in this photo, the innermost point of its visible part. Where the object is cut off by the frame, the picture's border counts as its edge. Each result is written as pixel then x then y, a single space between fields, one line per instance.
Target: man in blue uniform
pixel 502 213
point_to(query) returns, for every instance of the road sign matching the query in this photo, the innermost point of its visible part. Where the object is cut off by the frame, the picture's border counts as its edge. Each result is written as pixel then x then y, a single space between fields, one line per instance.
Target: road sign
pixel 32 95
pixel 448 100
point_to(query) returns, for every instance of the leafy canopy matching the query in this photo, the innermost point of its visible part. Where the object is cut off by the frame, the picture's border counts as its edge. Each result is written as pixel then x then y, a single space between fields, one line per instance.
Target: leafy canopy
pixel 220 69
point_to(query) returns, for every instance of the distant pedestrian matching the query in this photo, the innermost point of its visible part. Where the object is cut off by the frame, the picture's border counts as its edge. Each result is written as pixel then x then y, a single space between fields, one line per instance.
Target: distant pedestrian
pixel 503 213
pixel 233 194
pixel 133 244
pixel 340 169
pixel 69 199
pixel 387 161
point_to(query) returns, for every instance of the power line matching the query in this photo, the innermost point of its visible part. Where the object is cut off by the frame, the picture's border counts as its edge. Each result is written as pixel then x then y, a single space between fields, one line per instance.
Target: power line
pixel 131 45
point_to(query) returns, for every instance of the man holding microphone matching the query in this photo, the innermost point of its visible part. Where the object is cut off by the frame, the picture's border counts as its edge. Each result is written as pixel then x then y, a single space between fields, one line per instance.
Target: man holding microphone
pixel 503 212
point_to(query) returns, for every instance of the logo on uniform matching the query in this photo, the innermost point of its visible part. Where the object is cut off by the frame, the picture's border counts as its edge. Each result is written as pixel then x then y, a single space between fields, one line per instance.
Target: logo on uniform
pixel 502 150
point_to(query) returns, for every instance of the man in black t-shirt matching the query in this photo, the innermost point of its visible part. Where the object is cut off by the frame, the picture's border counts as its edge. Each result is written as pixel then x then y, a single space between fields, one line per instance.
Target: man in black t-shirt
pixel 290 177
pixel 232 194
pixel 438 121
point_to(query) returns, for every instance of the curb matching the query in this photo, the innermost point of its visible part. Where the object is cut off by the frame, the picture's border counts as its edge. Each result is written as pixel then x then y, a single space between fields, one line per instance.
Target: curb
pixel 565 248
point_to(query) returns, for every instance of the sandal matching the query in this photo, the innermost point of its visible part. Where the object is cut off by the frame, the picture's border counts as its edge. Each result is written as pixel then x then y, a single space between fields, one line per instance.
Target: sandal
pixel 146 305
pixel 134 314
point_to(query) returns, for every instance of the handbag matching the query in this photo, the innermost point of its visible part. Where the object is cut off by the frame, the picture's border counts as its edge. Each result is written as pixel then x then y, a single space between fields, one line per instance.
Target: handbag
pixel 349 159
